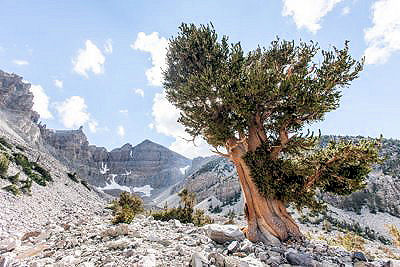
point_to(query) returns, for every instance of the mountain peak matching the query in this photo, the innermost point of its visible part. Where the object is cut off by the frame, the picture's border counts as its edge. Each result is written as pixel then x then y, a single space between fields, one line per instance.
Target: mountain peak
pixel 127 146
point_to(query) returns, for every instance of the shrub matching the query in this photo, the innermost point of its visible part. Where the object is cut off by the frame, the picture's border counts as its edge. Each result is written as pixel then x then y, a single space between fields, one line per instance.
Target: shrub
pixel 13 189
pixel 4 143
pixel 4 162
pixel 185 214
pixel 395 233
pixel 123 215
pixel 126 208
pixel 181 214
pixel 351 242
pixel 73 177
pixel 231 217
pixel 200 219
pixel 33 170
pixel 13 178
pixel 43 172
pixel 21 148
pixel 23 161
pixel 26 186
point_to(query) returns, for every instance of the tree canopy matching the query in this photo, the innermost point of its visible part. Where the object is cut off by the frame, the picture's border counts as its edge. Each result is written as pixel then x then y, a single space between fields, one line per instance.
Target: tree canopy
pixel 229 97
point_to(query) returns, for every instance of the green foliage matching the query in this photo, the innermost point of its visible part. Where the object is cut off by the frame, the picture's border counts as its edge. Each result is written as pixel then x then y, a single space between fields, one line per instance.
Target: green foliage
pixel 181 214
pixel 43 172
pixel 23 161
pixel 219 89
pixel 13 189
pixel 33 170
pixel 20 148
pixel 73 177
pixel 4 143
pixel 199 218
pixel 231 217
pixel 26 186
pixel 216 209
pixel 126 208
pixel 4 162
pixel 269 95
pixel 123 214
pixel 340 168
pixel 351 242
pixel 14 178
pixel 184 212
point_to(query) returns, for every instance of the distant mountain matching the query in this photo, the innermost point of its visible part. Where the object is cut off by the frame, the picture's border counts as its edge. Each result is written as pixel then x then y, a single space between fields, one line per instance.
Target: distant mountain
pixel 147 168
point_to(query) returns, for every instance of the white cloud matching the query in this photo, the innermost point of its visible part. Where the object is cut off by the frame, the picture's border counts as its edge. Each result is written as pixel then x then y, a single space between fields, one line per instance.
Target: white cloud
pixel 93 126
pixel 40 102
pixel 108 46
pixel 165 117
pixel 157 47
pixel 89 59
pixel 20 62
pixel 58 83
pixel 308 13
pixel 383 38
pixel 121 131
pixel 345 10
pixel 139 92
pixel 73 113
pixel 124 111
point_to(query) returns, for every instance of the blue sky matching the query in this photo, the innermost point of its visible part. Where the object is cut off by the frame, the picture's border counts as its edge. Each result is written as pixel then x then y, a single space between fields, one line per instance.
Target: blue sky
pixel 96 63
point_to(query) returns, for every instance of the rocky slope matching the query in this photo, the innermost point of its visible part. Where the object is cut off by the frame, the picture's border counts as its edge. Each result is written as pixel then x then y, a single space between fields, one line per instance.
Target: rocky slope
pixel 36 200
pixel 92 241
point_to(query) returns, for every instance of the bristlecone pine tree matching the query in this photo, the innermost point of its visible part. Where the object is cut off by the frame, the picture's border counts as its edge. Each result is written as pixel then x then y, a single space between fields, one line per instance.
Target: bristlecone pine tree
pixel 256 106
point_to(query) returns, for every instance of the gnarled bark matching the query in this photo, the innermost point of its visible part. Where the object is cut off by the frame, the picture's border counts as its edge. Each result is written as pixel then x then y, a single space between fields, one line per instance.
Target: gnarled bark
pixel 268 220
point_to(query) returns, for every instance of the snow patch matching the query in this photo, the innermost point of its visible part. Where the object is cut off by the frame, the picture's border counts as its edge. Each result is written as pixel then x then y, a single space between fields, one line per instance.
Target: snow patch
pixel 104 169
pixel 114 185
pixel 184 169
pixel 146 190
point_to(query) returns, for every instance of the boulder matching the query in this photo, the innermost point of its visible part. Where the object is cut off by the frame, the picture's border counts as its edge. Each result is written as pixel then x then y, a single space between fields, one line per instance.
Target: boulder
pixel 216 259
pixel 223 233
pixel 300 259
pixel 198 260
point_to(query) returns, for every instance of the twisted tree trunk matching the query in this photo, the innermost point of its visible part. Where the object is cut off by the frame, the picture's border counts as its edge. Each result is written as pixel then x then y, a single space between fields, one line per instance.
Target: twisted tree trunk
pixel 268 220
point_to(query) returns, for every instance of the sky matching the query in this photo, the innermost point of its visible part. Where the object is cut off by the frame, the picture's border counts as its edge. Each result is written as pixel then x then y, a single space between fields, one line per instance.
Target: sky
pixel 98 63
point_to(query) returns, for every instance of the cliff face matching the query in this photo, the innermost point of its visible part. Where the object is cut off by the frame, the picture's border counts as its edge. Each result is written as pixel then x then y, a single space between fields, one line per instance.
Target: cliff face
pixel 16 101
pixel 15 95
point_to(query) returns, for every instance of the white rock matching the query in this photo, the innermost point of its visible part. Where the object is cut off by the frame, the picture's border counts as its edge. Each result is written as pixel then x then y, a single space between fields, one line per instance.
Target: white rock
pixel 250 262
pixel 223 233
pixel 68 261
pixel 177 223
pixel 233 246
pixel 12 244
pixel 87 264
pixel 118 244
pixel 6 261
pixel 199 260
pixel 148 261
pixel 153 237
